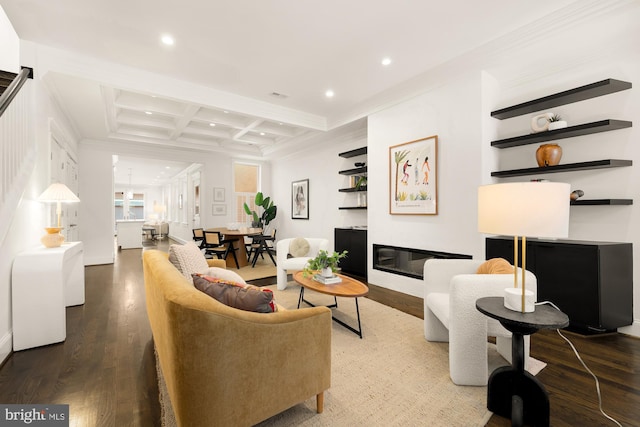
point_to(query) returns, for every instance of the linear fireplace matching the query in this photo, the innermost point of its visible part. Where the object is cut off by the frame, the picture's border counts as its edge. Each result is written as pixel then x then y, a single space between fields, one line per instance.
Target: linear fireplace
pixel 406 261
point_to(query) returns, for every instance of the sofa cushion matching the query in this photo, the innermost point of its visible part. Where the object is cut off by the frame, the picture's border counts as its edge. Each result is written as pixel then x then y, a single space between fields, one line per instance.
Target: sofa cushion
pixel 223 274
pixel 188 259
pixel 299 247
pixel 495 266
pixel 237 295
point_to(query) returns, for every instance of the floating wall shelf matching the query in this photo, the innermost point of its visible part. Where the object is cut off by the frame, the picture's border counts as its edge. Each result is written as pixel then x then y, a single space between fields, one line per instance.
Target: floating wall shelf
pixel 352 207
pixel 568 132
pixel 581 93
pixel 601 202
pixel 355 171
pixel 353 189
pixel 596 164
pixel 354 153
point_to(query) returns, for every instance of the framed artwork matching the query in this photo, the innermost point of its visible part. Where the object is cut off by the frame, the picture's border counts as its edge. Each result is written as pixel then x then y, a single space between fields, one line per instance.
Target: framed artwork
pixel 218 194
pixel 219 209
pixel 300 199
pixel 413 177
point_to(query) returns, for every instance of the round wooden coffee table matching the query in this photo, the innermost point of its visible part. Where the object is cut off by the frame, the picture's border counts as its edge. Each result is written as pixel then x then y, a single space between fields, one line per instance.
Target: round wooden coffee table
pixel 348 288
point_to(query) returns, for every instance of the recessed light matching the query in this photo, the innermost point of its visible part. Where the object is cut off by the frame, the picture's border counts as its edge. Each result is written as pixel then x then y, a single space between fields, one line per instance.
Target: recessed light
pixel 167 40
pixel 226 112
pixel 329 93
pixel 212 124
pixel 148 113
pixel 261 133
pixel 386 61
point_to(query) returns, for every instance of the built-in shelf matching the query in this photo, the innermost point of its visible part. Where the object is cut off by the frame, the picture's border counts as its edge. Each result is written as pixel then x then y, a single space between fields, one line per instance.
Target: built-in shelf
pixel 355 171
pixel 581 93
pixel 352 207
pixel 353 189
pixel 354 153
pixel 568 132
pixel 596 164
pixel 602 202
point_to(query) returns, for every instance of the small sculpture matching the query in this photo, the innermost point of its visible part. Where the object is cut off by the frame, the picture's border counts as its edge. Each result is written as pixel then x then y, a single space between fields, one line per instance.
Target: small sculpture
pixel 575 195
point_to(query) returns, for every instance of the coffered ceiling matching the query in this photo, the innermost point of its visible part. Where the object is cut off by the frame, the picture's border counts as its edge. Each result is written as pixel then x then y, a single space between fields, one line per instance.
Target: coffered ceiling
pixel 248 77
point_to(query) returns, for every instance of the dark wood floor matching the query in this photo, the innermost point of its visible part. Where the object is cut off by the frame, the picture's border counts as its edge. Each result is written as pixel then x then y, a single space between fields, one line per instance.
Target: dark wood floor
pixel 105 369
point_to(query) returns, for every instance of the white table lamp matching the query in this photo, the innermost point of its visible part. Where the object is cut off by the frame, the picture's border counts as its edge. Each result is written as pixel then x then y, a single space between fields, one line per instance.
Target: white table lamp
pixel 58 193
pixel 524 209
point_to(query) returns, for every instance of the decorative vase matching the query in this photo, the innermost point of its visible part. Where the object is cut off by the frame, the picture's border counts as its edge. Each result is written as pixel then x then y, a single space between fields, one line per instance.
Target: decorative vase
pixel 548 155
pixel 53 238
pixel 326 272
pixel 557 125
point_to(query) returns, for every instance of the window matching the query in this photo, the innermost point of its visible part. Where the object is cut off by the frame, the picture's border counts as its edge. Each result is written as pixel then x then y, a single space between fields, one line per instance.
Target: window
pixel 246 178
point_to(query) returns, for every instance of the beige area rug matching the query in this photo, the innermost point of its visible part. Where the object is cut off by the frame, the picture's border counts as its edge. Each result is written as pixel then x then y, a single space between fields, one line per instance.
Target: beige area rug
pixel 264 268
pixel 391 377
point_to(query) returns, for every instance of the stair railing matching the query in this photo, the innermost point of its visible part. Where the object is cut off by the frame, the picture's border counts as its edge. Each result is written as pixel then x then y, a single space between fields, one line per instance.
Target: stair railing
pixel 17 148
pixel 14 87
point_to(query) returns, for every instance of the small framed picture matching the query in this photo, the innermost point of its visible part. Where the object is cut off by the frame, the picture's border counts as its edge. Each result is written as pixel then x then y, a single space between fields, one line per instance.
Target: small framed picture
pixel 300 199
pixel 219 209
pixel 218 194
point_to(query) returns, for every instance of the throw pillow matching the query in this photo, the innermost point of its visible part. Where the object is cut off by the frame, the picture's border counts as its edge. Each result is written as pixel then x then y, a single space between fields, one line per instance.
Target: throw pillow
pixel 237 295
pixel 495 266
pixel 223 274
pixel 188 259
pixel 299 247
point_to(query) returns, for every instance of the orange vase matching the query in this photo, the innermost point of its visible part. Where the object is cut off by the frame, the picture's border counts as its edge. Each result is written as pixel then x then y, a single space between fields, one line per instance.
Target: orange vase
pixel 548 155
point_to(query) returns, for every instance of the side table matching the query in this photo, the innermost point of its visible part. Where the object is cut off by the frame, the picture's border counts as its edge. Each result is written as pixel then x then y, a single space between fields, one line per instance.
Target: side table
pixel 513 392
pixel 43 282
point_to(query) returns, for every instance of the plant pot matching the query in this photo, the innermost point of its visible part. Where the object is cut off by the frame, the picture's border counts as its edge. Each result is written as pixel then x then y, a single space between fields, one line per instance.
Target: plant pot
pixel 557 125
pixel 548 155
pixel 326 272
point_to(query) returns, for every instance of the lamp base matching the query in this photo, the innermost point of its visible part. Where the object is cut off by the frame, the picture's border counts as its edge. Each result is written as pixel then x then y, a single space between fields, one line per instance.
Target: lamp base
pixel 53 238
pixel 513 300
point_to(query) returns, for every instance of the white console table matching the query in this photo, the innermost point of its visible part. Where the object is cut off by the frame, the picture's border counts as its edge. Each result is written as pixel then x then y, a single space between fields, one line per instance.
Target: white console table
pixel 45 281
pixel 129 233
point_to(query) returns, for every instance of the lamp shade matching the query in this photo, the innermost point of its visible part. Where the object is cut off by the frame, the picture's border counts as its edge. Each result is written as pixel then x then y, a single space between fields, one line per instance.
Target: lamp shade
pixel 531 209
pixel 58 192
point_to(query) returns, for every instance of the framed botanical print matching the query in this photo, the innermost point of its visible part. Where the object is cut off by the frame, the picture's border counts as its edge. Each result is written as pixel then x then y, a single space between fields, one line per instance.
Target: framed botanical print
pixel 413 177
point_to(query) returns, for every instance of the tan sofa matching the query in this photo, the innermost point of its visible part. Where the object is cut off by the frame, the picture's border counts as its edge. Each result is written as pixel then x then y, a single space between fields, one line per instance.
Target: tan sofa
pixel 230 367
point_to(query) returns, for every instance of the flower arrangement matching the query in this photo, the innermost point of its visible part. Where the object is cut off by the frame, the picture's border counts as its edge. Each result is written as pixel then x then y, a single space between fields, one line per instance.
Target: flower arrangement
pixel 324 261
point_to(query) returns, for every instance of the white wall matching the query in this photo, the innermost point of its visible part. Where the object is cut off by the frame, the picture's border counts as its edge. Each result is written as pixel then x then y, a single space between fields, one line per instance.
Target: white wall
pixel 320 165
pixel 30 217
pixel 454 113
pixel 10 45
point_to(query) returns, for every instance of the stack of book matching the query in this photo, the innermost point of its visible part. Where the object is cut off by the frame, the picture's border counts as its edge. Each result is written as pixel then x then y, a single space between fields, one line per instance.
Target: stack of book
pixel 327 280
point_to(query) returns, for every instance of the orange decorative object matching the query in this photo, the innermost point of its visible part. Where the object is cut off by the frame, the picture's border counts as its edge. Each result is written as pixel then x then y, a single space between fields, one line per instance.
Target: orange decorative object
pixel 53 238
pixel 548 155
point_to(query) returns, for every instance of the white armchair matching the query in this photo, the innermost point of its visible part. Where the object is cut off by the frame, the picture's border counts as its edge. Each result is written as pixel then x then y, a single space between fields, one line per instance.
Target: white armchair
pixel 295 263
pixel 450 314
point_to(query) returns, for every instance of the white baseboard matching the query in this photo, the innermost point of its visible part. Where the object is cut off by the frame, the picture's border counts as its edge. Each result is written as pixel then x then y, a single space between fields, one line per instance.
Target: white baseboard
pixel 97 260
pixel 633 329
pixel 5 346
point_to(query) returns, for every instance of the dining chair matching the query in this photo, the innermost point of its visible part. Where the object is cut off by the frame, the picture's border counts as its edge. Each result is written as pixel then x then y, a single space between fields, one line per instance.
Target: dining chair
pixel 261 244
pixel 198 236
pixel 215 245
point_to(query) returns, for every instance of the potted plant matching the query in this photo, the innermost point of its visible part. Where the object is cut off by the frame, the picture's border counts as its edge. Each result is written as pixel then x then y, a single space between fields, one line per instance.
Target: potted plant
pixel 269 211
pixel 324 263
pixel 556 122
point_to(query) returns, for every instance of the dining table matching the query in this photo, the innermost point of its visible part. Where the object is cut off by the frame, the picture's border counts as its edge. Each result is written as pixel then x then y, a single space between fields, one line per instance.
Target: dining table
pixel 237 236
